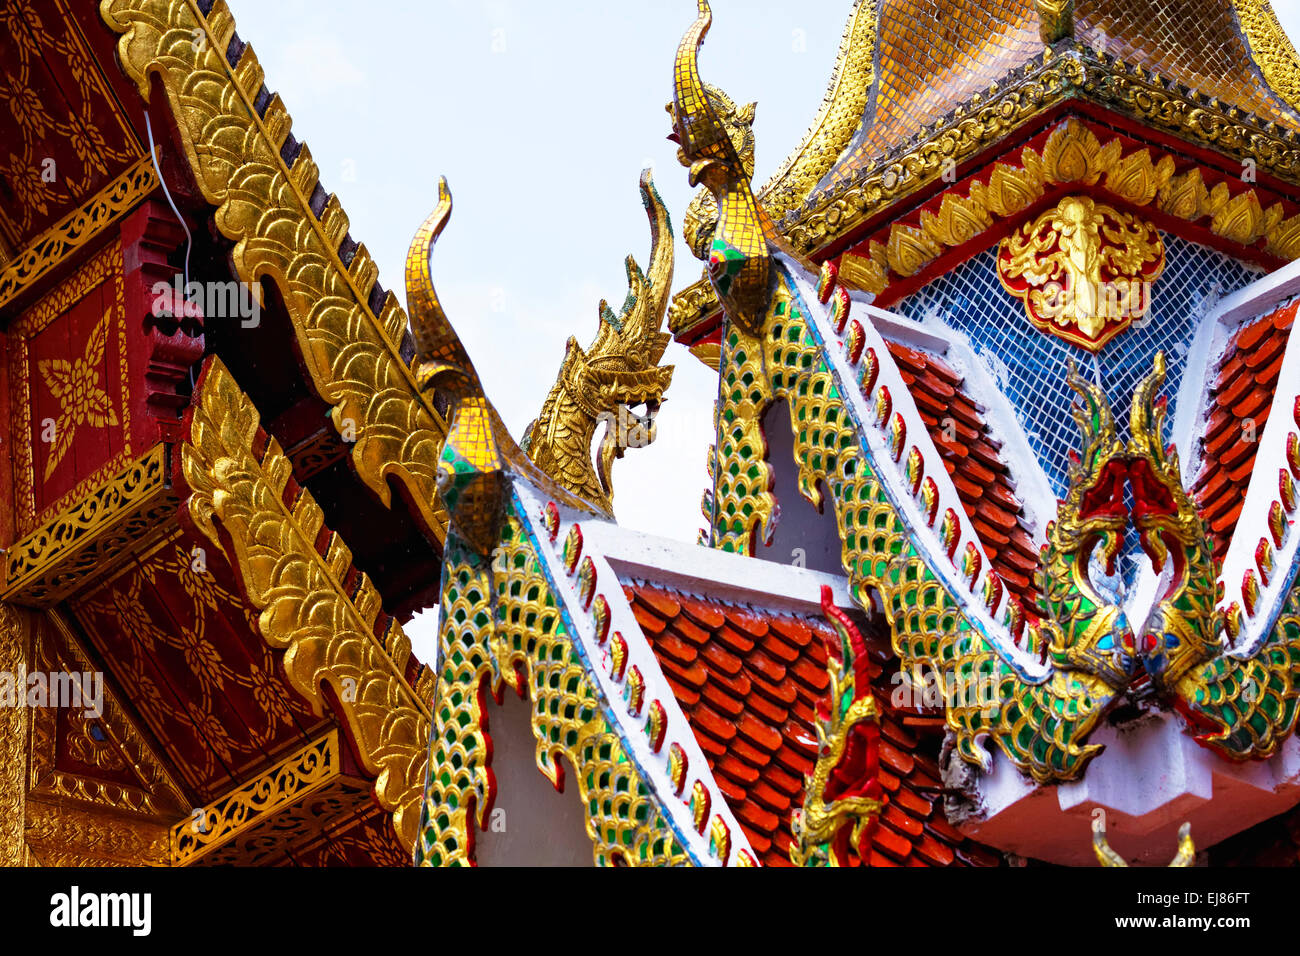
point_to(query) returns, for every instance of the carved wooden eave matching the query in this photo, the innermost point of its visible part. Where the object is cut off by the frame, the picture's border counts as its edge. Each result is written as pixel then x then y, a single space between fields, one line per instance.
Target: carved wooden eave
pixel 269 202
pixel 121 517
pixel 292 801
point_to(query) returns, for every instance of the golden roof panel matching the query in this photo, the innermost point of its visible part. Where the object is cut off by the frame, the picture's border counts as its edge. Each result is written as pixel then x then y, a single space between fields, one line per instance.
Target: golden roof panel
pixel 931 56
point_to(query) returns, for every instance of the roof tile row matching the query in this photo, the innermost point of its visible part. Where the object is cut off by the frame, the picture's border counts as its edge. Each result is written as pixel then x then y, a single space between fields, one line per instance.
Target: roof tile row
pixel 750 691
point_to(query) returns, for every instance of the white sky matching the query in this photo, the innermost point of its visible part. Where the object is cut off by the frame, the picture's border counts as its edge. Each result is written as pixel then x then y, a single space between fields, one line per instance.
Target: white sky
pixel 541 115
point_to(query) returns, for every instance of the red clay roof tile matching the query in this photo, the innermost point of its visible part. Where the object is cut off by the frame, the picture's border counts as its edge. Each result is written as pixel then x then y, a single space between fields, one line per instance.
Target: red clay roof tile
pixel 760 734
pixel 758 840
pixel 780 691
pixel 718 656
pixel 757 817
pixel 763 665
pixel 894 845
pixel 762 754
pixel 780 648
pixel 670 644
pixel 650 623
pixel 750 754
pixel 712 723
pixel 916 806
pixel 737 770
pixel 770 798
pixel 934 852
pixel 705 615
pixel 794 761
pixel 721 701
pixel 773 713
pixel 794 631
pixel 696 675
pixel 810 675
pixel 734 640
pixel 740 685
pixel 733 791
pixel 690 631
pixel 751 624
pixel 897 820
pixel 895 758
pixel 661 602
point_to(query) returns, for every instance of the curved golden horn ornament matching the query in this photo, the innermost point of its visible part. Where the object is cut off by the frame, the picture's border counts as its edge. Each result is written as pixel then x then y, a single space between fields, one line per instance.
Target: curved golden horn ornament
pixel 739 256
pixel 438 349
pixel 700 132
pixel 1094 417
pixel 1106 856
pixel 1147 416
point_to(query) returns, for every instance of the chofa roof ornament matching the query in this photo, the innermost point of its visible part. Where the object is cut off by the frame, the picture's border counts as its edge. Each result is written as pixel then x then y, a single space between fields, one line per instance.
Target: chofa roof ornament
pixel 738 262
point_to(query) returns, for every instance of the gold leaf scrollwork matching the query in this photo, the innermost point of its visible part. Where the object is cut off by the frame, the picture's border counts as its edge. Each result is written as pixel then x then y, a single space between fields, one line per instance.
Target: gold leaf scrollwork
pixel 351 351
pixel 326 628
pixel 1083 269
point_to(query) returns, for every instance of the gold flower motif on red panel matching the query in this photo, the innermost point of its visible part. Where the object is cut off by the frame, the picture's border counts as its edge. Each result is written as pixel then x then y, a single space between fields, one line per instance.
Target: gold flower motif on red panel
pixel 75 386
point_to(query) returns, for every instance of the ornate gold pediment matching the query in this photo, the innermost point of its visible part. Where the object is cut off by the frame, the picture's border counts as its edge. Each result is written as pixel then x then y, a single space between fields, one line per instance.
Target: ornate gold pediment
pixel 1083 270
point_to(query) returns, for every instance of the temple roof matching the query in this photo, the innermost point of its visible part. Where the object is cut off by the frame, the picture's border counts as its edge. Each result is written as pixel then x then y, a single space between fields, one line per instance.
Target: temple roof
pixel 904 65
pixel 974 459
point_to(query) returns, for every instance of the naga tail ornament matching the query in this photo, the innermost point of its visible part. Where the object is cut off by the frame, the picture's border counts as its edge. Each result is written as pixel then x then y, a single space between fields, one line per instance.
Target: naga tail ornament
pixel 1183 629
pixel 739 259
pixel 843 796
pixel 470 477
pixel 1082 630
pixel 1185 856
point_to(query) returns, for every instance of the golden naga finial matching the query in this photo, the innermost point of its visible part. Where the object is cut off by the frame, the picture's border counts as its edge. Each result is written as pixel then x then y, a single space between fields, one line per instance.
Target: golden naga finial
pixel 470 477
pixel 1055 20
pixel 1185 856
pixel 1184 628
pixel 619 370
pixel 738 255
pixel 701 219
pixel 438 350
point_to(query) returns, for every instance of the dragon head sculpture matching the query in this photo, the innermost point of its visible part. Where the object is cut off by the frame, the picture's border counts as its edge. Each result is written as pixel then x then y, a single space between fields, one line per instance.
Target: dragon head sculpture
pixel 605 382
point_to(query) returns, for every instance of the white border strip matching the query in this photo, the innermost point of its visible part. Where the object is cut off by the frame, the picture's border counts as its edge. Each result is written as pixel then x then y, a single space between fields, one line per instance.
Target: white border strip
pixel 631 728
pixel 924 537
pixel 724 575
